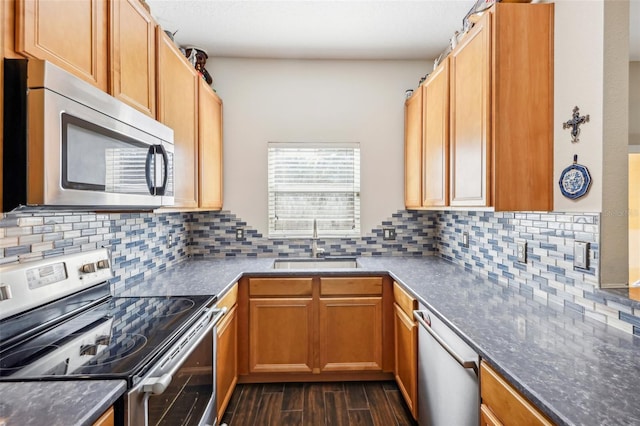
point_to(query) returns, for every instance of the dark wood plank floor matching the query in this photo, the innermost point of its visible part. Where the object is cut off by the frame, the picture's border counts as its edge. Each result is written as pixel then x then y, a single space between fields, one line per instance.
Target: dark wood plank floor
pixel 315 404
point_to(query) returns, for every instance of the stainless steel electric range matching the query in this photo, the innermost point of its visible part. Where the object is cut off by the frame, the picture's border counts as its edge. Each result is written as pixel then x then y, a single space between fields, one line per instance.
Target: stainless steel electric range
pixel 59 321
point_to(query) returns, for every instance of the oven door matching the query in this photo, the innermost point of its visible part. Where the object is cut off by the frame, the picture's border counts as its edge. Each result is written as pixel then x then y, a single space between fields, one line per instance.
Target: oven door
pixel 179 389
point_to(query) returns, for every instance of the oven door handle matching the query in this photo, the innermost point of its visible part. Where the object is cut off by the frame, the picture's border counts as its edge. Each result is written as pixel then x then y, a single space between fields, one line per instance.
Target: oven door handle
pixel 158 384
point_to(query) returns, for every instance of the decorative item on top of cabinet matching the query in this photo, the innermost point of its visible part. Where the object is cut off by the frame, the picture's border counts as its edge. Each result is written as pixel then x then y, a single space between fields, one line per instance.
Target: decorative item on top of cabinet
pixel 133 55
pixel 503 405
pixel 198 58
pixel 210 148
pixel 406 347
pixel 70 34
pixel 177 108
pixel 502 110
pixel 413 150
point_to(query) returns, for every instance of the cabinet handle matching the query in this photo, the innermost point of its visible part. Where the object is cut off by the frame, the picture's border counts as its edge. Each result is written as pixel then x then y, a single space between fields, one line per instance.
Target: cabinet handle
pixel 419 316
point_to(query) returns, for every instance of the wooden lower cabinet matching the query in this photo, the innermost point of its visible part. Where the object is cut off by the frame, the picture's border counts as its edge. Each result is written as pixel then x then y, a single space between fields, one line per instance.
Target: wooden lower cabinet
pixel 106 419
pixel 503 405
pixel 406 356
pixel 226 359
pixel 281 334
pixel 315 328
pixel 351 334
pixel 406 347
pixel 487 418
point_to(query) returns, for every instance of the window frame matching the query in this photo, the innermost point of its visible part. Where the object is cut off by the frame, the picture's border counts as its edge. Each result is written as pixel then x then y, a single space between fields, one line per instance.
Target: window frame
pixel 307 231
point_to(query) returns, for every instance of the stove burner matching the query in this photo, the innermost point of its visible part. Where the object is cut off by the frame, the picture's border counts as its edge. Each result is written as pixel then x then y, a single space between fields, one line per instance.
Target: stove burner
pixel 120 347
pixel 16 360
pixel 170 307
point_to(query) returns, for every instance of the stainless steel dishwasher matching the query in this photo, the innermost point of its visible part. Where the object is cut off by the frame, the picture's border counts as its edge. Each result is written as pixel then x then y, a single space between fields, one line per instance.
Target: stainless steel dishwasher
pixel 448 387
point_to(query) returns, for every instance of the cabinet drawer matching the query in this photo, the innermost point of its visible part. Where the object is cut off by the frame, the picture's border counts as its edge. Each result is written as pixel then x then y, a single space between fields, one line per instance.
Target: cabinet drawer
pixel 351 286
pixel 406 302
pixel 505 402
pixel 229 299
pixel 265 287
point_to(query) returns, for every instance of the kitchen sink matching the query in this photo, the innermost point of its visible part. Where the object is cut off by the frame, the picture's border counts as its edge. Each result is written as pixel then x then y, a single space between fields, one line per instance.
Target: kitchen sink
pixel 318 263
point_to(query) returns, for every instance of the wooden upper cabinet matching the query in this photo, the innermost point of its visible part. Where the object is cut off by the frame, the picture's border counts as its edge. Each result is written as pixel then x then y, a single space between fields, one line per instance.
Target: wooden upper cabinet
pixel 210 147
pixel 470 129
pixel 70 34
pixel 413 150
pixel 177 108
pixel 435 172
pixel 501 101
pixel 133 55
pixel 522 110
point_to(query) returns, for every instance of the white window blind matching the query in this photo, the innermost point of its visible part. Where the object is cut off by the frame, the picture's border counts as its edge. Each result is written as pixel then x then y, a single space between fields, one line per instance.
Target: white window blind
pixel 314 181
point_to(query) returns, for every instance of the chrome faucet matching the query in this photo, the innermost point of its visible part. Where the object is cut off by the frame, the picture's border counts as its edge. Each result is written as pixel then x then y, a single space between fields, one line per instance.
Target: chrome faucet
pixel 315 251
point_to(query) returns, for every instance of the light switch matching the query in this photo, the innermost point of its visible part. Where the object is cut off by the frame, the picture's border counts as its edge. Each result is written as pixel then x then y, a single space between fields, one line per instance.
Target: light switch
pixel 581 255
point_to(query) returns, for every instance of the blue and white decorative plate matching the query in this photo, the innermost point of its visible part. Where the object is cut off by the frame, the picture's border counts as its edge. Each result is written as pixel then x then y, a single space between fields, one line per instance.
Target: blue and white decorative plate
pixel 575 181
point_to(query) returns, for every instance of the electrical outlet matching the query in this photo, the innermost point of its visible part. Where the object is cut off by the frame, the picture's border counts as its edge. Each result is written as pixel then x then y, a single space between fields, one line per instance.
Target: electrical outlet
pixel 581 255
pixel 521 252
pixel 388 234
pixel 239 234
pixel 465 239
pixel 169 240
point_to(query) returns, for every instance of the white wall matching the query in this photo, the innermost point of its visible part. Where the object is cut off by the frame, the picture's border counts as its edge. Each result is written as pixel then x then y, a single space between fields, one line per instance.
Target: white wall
pixel 315 101
pixel 592 72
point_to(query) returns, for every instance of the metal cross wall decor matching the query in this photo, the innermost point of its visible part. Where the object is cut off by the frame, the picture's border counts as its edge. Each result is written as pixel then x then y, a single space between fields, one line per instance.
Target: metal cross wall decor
pixel 575 123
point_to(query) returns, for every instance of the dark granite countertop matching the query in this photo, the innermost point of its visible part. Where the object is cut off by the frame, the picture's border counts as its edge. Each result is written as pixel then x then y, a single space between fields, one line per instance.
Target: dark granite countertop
pixel 56 403
pixel 575 369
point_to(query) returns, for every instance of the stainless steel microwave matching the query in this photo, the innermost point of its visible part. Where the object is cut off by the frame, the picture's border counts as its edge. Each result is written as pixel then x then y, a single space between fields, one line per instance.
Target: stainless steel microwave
pixel 68 145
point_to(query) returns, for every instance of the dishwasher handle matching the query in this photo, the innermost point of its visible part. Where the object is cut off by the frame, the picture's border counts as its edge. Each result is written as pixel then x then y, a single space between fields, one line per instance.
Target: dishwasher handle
pixel 419 316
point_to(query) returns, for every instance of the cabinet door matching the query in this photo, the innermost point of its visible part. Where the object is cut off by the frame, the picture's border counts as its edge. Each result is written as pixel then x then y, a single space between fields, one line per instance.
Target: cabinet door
pixel 487 418
pixel 210 147
pixel 177 108
pixel 351 334
pixel 133 55
pixel 406 356
pixel 435 179
pixel 505 403
pixel 70 34
pixel 106 419
pixel 470 132
pixel 281 335
pixel 413 150
pixel 226 360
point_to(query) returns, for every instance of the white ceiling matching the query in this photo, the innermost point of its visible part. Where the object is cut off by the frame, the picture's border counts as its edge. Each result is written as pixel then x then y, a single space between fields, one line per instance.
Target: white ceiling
pixel 324 29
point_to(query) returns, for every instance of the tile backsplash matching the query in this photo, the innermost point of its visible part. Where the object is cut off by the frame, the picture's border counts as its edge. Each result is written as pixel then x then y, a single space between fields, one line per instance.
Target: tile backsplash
pixel 144 243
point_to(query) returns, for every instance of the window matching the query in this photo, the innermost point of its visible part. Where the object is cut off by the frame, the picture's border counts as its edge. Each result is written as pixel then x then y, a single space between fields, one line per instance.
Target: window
pixel 310 181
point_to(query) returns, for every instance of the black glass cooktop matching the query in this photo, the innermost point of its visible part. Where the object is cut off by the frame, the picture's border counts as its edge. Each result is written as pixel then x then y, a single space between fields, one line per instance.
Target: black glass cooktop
pixel 115 339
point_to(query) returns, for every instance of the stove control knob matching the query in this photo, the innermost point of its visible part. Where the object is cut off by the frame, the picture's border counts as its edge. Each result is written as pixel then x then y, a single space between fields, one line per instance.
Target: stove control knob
pixel 88 268
pixel 5 292
pixel 103 264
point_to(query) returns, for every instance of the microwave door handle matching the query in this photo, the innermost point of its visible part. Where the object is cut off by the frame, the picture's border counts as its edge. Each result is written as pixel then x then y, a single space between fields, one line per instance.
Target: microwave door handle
pixel 147 170
pixel 165 165
pixel 151 175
